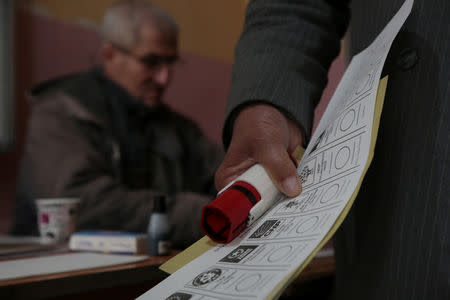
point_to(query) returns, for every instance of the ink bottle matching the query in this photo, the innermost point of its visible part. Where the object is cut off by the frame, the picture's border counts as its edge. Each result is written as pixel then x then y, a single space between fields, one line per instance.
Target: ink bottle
pixel 158 242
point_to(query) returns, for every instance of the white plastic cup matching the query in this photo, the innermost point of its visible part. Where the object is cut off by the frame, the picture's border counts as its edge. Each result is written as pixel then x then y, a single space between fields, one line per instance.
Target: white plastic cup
pixel 57 218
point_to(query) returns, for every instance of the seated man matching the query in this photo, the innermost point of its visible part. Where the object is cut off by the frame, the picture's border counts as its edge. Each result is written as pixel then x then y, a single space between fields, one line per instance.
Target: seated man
pixel 106 136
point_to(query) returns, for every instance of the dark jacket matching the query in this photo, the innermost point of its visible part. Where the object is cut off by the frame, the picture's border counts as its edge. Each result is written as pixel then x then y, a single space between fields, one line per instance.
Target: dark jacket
pixel 395 241
pixel 75 148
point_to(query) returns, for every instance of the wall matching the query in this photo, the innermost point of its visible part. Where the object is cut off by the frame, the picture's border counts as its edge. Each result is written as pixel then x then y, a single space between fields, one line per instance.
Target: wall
pixel 208 28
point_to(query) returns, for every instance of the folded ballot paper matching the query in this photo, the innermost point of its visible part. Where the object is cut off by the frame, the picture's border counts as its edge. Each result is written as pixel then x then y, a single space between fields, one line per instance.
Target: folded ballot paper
pixel 271 252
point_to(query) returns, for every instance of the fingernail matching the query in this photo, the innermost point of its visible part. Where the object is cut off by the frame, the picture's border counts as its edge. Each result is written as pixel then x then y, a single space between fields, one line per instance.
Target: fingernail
pixel 292 186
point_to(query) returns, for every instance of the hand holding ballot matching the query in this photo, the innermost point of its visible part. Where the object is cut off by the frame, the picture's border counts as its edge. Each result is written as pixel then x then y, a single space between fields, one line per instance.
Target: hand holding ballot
pixel 242 202
pixel 257 169
pixel 262 134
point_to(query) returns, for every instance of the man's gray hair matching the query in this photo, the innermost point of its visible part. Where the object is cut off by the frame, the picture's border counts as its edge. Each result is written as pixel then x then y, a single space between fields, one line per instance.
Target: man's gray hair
pixel 123 20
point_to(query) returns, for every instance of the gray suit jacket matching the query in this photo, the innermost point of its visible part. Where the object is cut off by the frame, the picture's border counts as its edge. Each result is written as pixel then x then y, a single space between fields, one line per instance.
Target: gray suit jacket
pixel 394 244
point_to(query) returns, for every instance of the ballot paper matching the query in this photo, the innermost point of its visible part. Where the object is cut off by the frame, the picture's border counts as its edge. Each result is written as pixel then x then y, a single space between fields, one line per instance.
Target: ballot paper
pixel 271 252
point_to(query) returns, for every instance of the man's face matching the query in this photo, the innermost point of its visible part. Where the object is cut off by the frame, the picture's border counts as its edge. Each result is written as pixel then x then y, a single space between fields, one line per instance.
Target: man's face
pixel 146 70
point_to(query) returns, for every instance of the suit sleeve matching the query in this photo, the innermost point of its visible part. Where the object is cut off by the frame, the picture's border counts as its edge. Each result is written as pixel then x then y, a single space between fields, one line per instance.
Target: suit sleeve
pixel 283 55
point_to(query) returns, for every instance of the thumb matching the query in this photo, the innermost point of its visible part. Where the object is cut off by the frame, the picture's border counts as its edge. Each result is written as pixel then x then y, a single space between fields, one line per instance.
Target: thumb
pixel 281 169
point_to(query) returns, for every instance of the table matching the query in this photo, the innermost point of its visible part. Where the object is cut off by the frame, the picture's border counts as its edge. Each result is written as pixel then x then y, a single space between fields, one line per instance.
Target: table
pixel 127 281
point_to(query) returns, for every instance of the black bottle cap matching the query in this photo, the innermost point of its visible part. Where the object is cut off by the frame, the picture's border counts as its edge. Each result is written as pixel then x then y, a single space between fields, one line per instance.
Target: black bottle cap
pixel 159 204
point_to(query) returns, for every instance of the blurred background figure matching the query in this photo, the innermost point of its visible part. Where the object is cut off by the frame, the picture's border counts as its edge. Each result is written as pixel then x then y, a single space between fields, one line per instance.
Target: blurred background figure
pixel 106 135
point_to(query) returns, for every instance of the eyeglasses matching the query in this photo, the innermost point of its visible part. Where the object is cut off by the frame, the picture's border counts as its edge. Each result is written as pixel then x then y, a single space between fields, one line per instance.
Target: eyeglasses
pixel 151 61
